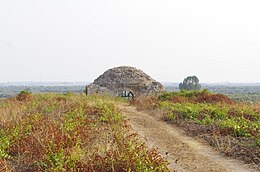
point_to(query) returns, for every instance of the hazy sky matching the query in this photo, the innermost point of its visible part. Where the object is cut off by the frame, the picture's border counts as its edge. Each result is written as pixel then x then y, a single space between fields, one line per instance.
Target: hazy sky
pixel 77 40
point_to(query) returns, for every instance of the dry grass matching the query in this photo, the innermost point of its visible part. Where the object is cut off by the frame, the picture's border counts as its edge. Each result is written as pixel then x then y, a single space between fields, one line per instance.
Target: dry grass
pixel 256 107
pixel 51 132
pixel 144 102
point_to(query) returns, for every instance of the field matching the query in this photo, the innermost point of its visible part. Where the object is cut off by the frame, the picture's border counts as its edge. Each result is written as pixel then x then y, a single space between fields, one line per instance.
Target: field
pixel 249 93
pixel 13 90
pixel 230 127
pixel 69 132
pixel 241 93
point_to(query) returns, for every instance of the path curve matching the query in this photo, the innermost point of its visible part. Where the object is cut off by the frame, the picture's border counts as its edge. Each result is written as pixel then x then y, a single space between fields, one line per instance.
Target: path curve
pixel 183 152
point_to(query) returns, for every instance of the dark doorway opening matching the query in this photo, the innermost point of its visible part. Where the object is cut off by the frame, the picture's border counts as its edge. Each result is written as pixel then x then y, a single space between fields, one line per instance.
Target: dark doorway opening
pixel 127 94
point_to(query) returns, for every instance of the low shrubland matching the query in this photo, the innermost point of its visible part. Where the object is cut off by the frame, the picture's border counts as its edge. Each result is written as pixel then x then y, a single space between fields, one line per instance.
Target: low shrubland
pixel 55 132
pixel 233 128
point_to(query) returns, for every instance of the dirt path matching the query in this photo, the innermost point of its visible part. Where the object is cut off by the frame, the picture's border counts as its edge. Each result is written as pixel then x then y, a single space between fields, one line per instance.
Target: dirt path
pixel 184 153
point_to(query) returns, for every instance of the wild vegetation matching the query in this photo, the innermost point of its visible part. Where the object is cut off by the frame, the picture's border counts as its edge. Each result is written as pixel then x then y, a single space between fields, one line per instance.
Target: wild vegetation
pixel 68 132
pixel 231 127
pixel 240 93
pixel 248 98
pixel 13 90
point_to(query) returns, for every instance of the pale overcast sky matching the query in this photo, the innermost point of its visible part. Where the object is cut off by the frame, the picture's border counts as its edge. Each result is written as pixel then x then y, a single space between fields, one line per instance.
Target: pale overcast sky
pixel 77 40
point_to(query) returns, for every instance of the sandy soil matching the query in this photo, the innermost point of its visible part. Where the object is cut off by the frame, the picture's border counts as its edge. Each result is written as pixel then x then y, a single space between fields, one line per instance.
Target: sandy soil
pixel 183 152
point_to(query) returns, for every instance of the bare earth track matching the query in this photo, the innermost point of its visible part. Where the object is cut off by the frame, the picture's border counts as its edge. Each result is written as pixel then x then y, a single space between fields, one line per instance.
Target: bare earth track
pixel 183 152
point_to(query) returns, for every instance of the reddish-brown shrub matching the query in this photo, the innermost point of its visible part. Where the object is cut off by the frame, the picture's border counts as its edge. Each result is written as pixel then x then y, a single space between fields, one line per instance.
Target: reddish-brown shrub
pixel 179 99
pixel 214 98
pixel 24 96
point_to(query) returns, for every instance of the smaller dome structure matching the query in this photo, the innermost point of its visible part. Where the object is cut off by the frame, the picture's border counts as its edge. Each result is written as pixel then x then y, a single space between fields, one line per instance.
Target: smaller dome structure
pixel 124 80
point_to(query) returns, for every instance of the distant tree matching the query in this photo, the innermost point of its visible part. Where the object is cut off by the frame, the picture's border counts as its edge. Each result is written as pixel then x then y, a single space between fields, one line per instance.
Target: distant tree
pixel 190 83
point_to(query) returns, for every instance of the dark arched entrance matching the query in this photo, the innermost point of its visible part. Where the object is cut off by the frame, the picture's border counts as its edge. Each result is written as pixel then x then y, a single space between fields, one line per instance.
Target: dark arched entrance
pixel 127 94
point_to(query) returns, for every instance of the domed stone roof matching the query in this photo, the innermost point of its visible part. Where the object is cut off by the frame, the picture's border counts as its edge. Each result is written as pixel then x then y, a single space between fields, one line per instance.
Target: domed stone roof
pixel 125 78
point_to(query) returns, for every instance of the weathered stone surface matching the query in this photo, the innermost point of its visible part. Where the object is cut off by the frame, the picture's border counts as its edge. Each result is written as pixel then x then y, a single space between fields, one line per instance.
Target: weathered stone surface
pixel 124 78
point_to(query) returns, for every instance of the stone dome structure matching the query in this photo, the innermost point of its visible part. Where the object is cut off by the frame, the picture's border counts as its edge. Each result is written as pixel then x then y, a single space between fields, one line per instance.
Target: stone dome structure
pixel 122 80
